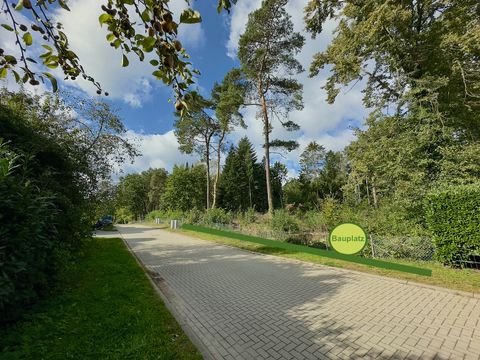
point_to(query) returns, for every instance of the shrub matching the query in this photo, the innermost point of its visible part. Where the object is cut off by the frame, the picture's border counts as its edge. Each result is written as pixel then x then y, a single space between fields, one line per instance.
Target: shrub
pixel 283 221
pixel 248 217
pixel 194 216
pixel 123 215
pixel 217 216
pixel 453 217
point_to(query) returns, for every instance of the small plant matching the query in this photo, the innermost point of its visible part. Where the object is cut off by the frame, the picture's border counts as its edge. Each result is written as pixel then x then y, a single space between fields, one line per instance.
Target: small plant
pixel 217 216
pixel 283 221
pixel 194 216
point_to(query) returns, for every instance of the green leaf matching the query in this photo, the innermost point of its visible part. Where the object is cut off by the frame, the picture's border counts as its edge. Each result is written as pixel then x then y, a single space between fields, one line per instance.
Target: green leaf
pixel 63 4
pixel 8 27
pixel 110 37
pixel 17 77
pixel 117 43
pixel 52 80
pixel 27 37
pixel 190 16
pixel 104 18
pixel 146 15
pixel 19 5
pixel 3 73
pixel 158 74
pixel 154 62
pixel 148 44
pixel 125 61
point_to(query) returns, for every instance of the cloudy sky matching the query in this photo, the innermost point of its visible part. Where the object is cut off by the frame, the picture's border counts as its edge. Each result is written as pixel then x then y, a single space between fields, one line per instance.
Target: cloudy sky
pixel 142 101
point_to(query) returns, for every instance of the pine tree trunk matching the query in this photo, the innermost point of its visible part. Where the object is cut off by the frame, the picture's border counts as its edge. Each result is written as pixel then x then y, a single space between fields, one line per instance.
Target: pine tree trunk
pixel 207 156
pixel 217 175
pixel 266 133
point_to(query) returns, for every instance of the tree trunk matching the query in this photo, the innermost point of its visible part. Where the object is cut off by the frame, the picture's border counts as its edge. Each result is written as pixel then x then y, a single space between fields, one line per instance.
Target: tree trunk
pixel 217 175
pixel 266 133
pixel 374 193
pixel 207 156
pixel 368 191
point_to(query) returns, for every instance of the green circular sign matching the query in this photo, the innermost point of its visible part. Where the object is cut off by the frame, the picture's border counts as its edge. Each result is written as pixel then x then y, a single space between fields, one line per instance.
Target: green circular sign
pixel 348 239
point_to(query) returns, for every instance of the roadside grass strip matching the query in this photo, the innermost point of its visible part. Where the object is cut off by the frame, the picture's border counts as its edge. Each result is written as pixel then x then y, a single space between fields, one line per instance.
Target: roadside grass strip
pixel 104 308
pixel 309 250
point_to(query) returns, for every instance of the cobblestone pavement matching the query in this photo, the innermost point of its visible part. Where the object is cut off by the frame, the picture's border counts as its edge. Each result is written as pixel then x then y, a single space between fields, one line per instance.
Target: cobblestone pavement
pixel 243 305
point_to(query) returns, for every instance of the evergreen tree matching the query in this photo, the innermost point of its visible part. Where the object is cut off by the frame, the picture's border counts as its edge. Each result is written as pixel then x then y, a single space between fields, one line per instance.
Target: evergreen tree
pixel 266 51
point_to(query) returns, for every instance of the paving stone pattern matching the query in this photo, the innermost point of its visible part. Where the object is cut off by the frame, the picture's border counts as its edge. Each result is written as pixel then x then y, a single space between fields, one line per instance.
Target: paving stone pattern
pixel 243 305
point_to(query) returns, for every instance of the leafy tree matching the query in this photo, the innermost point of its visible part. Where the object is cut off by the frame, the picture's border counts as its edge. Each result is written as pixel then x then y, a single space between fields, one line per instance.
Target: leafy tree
pixel 135 27
pixel 51 164
pixel 156 181
pixel 195 130
pixel 266 51
pixel 133 194
pixel 228 97
pixel 412 54
pixel 184 189
pixel 294 192
pixel 333 175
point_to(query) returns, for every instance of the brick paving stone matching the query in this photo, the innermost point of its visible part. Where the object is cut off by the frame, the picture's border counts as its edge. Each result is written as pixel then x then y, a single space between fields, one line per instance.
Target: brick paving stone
pixel 243 305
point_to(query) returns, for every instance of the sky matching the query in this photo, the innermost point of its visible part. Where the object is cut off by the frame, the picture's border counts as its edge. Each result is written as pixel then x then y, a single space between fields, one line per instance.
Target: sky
pixel 143 102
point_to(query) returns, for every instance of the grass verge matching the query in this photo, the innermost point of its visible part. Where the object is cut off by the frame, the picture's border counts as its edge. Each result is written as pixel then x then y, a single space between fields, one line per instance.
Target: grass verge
pixel 106 309
pixel 463 280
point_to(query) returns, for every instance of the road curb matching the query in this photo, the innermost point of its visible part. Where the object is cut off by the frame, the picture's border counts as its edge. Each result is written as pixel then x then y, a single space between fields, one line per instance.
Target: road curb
pixel 169 298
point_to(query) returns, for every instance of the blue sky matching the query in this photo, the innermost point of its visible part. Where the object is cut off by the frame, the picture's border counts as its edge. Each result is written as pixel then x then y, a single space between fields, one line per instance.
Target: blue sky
pixel 142 101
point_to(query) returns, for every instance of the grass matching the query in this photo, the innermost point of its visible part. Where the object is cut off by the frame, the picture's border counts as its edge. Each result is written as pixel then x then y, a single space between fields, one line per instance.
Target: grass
pixel 106 309
pixel 464 280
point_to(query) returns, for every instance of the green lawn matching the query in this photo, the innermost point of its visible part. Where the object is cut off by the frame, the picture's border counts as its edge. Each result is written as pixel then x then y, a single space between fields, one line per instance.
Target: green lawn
pixel 106 309
pixel 463 280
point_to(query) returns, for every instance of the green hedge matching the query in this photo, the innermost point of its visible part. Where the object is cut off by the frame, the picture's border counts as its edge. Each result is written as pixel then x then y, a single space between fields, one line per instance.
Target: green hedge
pixel 453 217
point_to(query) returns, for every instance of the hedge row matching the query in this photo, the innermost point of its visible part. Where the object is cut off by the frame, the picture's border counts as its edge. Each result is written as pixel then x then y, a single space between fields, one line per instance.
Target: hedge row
pixel 453 217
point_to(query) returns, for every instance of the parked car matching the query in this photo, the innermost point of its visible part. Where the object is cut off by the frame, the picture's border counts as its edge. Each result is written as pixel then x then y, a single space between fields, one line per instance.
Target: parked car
pixel 103 221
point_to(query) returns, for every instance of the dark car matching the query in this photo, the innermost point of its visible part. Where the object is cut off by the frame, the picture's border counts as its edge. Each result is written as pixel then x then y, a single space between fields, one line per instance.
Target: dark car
pixel 104 221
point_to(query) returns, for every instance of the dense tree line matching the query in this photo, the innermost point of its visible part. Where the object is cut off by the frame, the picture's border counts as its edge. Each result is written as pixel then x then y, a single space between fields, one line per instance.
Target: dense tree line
pixel 51 163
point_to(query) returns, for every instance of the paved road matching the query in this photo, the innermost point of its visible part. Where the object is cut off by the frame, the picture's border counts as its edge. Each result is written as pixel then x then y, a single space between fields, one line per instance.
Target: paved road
pixel 243 305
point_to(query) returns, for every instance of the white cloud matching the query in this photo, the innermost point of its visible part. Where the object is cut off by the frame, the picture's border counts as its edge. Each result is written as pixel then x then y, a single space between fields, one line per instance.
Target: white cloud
pixel 103 62
pixel 158 151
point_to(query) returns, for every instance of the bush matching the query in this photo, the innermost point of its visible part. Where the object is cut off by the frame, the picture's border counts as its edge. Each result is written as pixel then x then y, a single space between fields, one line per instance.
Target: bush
pixel 453 217
pixel 283 221
pixel 194 216
pixel 123 216
pixel 248 217
pixel 217 216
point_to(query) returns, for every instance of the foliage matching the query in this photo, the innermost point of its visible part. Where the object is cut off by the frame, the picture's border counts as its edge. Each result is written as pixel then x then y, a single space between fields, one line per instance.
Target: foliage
pixel 266 50
pixel 144 29
pixel 217 216
pixel 283 221
pixel 241 184
pixel 196 129
pixel 132 195
pixel 141 193
pixel 453 217
pixel 414 53
pixel 92 315
pixel 184 189
pixel 50 167
pixel 123 215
